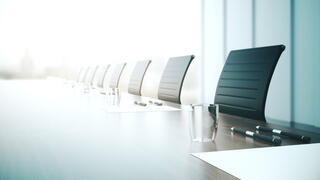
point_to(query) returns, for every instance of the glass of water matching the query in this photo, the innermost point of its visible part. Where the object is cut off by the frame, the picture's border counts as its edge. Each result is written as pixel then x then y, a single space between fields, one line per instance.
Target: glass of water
pixel 203 125
pixel 114 96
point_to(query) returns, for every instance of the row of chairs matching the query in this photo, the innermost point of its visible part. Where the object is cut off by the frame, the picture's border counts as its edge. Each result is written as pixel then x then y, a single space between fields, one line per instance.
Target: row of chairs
pixel 170 84
pixel 242 88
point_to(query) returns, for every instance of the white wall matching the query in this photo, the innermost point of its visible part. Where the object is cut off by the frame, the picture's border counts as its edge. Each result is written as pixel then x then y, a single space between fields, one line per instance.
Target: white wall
pixel 84 32
pixel 273 26
pixel 307 62
pixel 212 47
pixel 238 27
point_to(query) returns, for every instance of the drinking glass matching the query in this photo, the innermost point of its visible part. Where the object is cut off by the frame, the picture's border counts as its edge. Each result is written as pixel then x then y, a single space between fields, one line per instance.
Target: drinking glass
pixel 203 124
pixel 114 96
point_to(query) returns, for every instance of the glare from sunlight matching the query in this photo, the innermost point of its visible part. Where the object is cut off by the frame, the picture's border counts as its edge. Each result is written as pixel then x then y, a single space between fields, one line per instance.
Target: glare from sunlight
pixel 47 33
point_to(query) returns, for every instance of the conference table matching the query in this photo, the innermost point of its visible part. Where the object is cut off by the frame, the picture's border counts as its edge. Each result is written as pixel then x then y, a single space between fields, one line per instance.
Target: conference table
pixel 49 130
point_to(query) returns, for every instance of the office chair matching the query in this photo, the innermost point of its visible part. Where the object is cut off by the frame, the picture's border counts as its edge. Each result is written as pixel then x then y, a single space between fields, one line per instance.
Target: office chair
pixel 244 81
pixel 88 76
pixel 172 78
pixel 80 74
pixel 137 76
pixel 115 77
pixel 102 75
pixel 85 74
pixel 92 75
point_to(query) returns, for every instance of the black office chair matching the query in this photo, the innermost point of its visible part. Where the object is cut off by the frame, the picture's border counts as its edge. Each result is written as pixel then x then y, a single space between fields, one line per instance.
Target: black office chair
pixel 115 77
pixel 137 76
pixel 244 81
pixel 172 78
pixel 102 75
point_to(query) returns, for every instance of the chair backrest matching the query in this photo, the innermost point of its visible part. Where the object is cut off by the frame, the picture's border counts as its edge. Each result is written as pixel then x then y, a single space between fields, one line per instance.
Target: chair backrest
pixel 244 81
pixel 80 74
pixel 93 74
pixel 172 78
pixel 115 77
pixel 85 74
pixel 98 75
pixel 102 74
pixel 88 76
pixel 137 76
